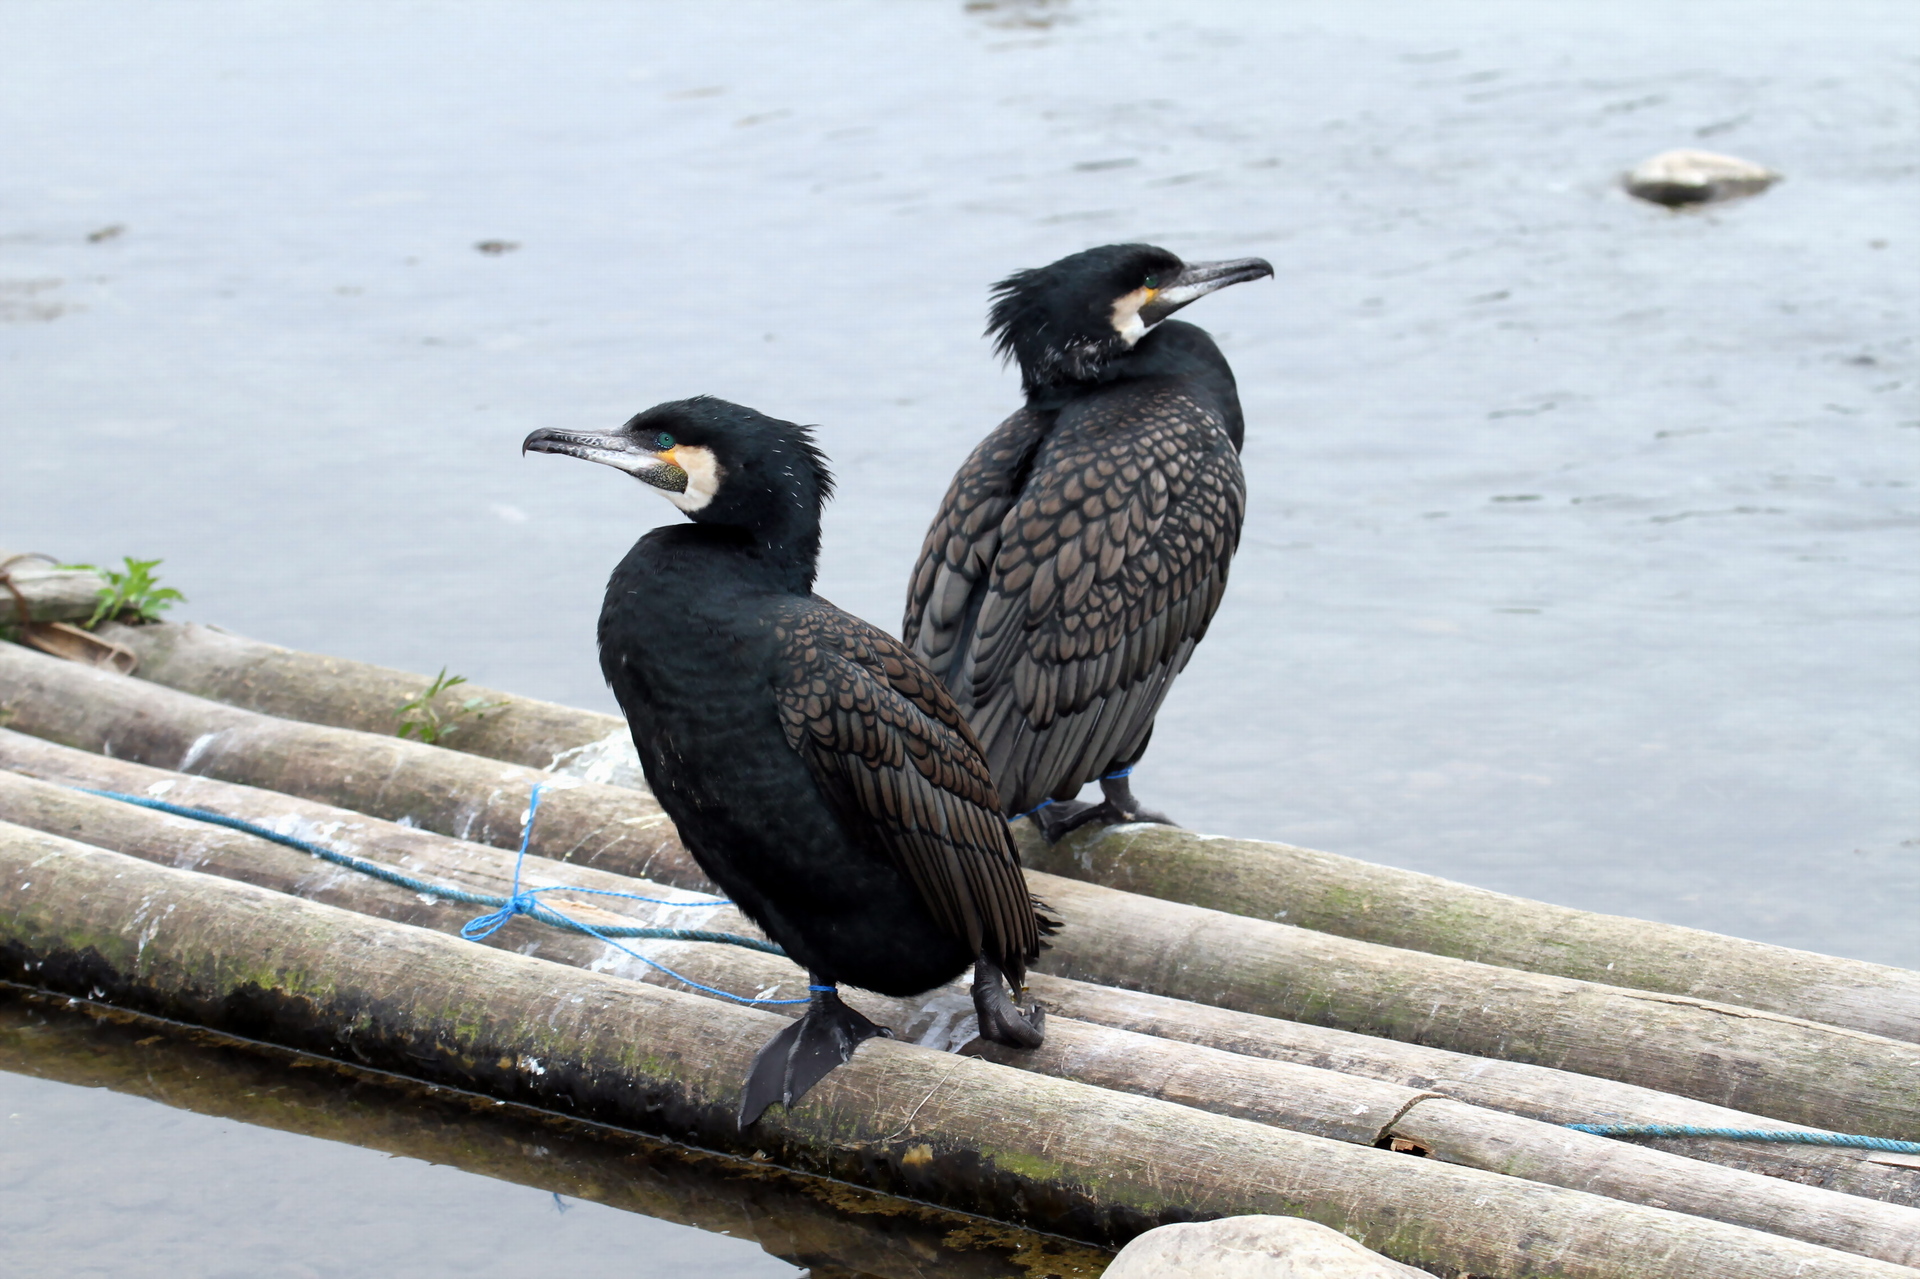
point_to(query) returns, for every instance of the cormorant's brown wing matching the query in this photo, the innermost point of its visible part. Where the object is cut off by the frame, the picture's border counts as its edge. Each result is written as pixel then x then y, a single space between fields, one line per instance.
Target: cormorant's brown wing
pixel 886 742
pixel 957 555
pixel 1102 577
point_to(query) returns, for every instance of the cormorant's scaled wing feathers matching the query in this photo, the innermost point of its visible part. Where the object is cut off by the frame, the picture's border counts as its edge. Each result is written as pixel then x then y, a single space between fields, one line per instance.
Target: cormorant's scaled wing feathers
pixel 1106 574
pixel 958 553
pixel 884 740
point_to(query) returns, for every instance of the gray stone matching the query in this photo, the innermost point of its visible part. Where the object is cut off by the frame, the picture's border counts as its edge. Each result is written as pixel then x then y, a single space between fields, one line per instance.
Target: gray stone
pixel 1252 1248
pixel 1674 178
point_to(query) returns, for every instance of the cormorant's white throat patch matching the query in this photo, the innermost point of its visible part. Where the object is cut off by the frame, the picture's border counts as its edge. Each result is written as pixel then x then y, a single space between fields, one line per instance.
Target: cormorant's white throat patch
pixel 1126 314
pixel 703 477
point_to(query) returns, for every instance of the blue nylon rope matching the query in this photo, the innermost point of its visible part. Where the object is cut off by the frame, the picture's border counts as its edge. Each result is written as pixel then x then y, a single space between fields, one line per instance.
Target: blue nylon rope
pixel 1752 1134
pixel 522 902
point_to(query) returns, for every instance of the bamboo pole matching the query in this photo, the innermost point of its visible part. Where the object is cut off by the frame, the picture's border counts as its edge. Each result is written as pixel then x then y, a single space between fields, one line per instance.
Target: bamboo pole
pixel 1098 1165
pixel 1745 1059
pixel 1316 890
pixel 1300 1098
pixel 829 1225
pixel 342 693
pixel 1403 908
pixel 1530 1091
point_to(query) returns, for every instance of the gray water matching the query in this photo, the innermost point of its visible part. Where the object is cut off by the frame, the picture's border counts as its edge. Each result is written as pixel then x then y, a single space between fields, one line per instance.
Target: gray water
pixel 1580 560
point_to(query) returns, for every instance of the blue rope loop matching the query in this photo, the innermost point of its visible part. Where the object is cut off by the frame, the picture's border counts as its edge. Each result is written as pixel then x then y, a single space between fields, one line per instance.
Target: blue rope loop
pixel 519 902
pixel 1847 1140
pixel 1117 774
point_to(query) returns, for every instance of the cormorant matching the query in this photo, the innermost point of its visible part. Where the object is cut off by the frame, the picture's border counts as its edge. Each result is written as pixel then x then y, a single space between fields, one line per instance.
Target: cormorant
pixel 1083 547
pixel 815 769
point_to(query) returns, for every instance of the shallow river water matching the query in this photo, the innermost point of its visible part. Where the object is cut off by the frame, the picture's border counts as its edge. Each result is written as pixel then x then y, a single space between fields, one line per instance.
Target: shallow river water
pixel 1580 560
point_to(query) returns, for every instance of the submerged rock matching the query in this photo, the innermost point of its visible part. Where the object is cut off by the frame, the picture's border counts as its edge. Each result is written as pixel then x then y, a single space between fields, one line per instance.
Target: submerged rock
pixel 1674 178
pixel 1252 1248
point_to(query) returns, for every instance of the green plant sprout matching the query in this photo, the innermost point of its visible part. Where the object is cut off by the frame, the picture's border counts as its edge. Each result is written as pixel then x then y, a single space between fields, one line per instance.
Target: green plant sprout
pixel 422 720
pixel 136 591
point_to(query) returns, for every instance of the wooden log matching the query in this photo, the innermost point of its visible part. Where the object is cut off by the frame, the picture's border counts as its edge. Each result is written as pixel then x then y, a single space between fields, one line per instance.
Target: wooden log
pixel 1309 889
pixel 341 693
pixel 1403 908
pixel 1532 1091
pixel 808 1222
pixel 1097 1165
pixel 1300 1098
pixel 1802 1072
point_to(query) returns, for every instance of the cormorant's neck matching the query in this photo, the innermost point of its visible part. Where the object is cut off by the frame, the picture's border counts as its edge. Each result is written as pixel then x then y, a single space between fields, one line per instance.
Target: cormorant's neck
pixel 780 548
pixel 1172 349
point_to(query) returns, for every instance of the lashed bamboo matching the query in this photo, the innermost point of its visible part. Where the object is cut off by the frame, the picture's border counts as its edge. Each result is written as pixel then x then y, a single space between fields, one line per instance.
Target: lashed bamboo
pixel 1301 1098
pixel 1098 1164
pixel 1316 890
pixel 1749 1060
pixel 1531 1091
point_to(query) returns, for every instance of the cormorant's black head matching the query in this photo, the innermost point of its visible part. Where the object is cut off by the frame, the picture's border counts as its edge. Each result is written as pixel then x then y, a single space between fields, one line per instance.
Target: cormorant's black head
pixel 721 463
pixel 1068 321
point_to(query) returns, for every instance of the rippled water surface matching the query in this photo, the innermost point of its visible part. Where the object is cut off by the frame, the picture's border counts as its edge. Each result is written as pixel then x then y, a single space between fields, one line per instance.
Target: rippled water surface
pixel 1581 553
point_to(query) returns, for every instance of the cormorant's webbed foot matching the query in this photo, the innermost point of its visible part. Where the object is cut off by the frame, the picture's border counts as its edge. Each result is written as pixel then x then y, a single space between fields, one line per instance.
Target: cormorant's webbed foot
pixel 806 1052
pixel 1061 818
pixel 1002 1020
pixel 1056 818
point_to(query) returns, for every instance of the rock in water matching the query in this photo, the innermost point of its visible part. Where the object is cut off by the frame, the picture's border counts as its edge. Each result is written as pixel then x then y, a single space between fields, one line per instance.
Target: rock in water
pixel 1252 1248
pixel 1674 178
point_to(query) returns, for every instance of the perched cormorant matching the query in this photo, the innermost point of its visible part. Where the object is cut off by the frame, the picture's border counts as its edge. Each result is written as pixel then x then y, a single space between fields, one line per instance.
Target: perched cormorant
pixel 815 769
pixel 1083 547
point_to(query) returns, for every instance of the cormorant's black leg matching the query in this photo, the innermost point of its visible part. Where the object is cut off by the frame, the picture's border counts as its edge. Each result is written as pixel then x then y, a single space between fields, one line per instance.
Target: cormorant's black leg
pixel 1002 1020
pixel 1118 790
pixel 804 1053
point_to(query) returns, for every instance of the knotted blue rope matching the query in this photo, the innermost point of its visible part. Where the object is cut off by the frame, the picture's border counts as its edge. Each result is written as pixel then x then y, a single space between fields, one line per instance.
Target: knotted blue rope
pixel 1752 1134
pixel 521 902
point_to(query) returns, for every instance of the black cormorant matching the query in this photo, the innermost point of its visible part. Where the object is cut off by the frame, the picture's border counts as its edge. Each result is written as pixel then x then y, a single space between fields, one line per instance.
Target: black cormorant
pixel 815 769
pixel 1083 548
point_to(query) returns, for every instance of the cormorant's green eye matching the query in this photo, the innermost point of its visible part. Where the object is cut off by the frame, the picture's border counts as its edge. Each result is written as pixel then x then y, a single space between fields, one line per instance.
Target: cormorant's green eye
pixel 662 442
pixel 1153 281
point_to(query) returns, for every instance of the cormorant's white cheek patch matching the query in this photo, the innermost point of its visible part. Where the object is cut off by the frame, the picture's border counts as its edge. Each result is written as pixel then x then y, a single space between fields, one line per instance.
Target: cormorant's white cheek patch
pixel 1126 315
pixel 703 478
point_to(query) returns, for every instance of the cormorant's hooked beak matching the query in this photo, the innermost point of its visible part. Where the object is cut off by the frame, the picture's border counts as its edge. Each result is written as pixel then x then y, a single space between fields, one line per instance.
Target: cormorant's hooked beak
pixel 618 451
pixel 1198 280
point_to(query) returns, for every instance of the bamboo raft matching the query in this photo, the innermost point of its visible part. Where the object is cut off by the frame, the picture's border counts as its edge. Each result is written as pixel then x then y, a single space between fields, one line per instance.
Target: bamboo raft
pixel 1234 1027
